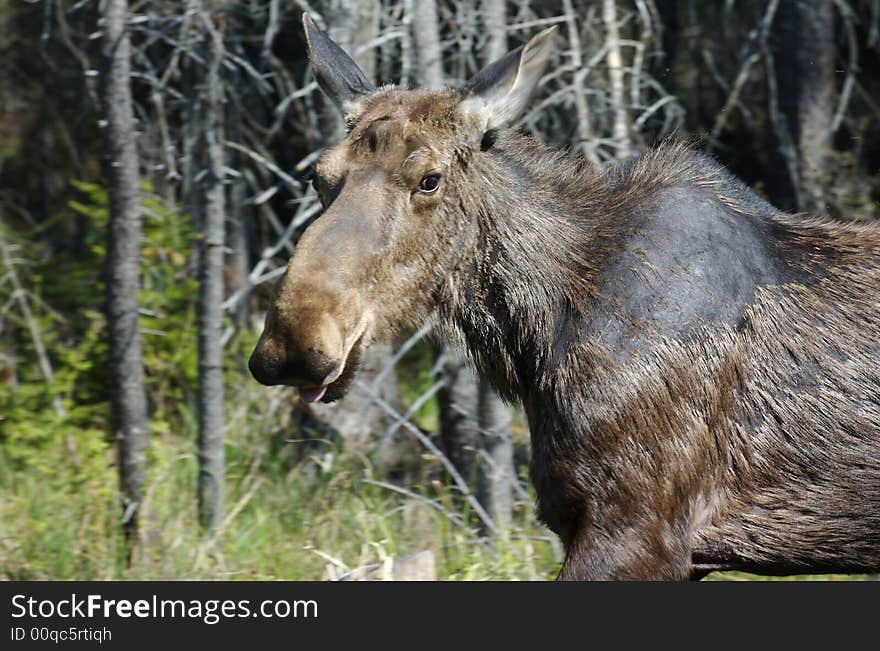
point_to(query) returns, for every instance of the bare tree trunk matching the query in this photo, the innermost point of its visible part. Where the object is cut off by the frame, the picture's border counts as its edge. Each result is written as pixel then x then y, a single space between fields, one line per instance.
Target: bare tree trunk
pixel 363 24
pixel 128 403
pixel 210 396
pixel 585 131
pixel 614 60
pixel 191 136
pixel 422 18
pixel 495 472
pixel 240 237
pixel 240 214
pixel 458 404
pixel 495 23
pixel 804 59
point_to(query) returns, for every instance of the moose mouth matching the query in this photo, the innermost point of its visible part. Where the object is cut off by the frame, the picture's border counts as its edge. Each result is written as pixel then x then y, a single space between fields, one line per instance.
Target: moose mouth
pixel 339 387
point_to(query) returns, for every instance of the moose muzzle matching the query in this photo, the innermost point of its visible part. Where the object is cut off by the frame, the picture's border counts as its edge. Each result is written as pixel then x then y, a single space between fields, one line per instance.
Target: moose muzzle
pixel 310 339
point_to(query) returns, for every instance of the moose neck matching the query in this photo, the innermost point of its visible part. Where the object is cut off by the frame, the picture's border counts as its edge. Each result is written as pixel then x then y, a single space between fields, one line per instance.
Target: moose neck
pixel 522 279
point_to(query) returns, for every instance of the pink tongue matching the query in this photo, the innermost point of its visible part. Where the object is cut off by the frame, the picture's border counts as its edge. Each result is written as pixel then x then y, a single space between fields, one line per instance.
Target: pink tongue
pixel 313 395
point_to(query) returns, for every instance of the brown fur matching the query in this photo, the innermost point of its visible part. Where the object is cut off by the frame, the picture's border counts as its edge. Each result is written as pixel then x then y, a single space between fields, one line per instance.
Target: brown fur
pixel 745 437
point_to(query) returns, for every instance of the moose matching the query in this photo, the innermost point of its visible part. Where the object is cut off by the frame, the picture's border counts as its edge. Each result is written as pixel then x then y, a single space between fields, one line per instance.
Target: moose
pixel 699 370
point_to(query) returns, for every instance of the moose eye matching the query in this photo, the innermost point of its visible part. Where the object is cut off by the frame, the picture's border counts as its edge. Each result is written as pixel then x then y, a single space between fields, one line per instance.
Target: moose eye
pixel 429 184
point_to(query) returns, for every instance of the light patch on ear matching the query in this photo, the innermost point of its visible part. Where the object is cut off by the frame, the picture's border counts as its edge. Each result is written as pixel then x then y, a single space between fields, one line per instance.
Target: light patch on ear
pixel 501 91
pixel 478 109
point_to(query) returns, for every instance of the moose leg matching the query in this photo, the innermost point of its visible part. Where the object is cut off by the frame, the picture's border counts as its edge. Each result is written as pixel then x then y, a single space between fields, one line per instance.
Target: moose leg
pixel 644 553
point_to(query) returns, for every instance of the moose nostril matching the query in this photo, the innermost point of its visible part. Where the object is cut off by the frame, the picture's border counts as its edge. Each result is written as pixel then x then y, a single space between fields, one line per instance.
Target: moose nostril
pixel 259 370
pixel 311 369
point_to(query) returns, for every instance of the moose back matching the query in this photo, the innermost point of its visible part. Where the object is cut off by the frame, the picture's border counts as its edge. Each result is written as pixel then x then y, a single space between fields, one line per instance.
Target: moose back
pixel 700 372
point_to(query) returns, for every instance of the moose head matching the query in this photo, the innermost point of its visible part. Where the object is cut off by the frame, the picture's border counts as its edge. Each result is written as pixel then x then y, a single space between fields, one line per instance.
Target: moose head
pixel 392 234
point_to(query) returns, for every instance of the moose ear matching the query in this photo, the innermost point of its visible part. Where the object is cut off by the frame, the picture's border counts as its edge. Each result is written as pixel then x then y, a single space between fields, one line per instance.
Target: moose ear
pixel 336 73
pixel 501 91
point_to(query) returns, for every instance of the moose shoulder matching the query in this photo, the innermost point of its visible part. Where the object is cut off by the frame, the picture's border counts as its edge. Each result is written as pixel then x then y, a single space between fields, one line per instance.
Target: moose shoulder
pixel 700 372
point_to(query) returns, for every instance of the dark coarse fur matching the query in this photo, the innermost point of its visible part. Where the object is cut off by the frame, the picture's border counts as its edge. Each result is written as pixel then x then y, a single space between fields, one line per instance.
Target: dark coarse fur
pixel 701 373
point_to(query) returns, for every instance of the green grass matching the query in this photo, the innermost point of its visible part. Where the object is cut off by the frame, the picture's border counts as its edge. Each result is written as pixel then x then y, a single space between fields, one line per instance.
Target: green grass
pixel 293 509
